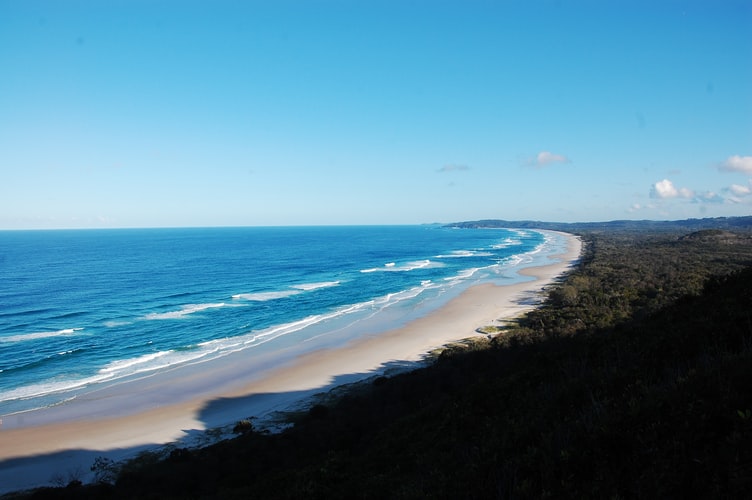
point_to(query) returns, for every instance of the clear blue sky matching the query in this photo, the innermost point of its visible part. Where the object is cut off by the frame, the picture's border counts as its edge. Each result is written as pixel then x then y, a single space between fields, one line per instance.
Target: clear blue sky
pixel 185 113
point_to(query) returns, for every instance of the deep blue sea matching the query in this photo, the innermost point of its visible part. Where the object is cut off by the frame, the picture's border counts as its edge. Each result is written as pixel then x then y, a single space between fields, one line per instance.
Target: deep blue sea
pixel 84 308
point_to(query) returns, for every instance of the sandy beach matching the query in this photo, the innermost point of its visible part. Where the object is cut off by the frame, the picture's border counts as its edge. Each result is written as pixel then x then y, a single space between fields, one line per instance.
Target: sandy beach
pixel 62 442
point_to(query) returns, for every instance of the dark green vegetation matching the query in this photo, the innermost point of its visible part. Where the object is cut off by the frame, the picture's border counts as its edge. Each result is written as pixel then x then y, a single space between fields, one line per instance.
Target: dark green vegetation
pixel 622 226
pixel 634 380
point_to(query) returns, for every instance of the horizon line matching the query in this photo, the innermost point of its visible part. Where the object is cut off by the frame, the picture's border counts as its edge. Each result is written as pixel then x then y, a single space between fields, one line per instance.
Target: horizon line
pixel 234 226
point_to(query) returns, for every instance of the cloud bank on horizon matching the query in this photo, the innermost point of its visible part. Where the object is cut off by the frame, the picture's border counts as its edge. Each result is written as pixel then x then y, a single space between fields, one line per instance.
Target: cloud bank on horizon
pixel 733 194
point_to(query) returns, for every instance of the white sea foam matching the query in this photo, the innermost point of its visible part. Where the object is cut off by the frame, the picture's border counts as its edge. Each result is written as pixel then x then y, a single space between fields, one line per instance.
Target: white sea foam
pixel 184 311
pixel 408 266
pixel 392 298
pixel 124 364
pixel 514 260
pixel 110 373
pixel 456 254
pixel 464 253
pixel 281 294
pixel 508 242
pixel 156 361
pixel 255 338
pixel 115 323
pixel 463 275
pixel 264 296
pixel 374 305
pixel 67 332
pixel 307 287
pixel 222 347
pixel 210 349
pixel 51 386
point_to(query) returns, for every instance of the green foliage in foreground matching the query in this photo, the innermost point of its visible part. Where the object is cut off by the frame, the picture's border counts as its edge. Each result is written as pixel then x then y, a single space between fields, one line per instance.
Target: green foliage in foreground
pixel 633 381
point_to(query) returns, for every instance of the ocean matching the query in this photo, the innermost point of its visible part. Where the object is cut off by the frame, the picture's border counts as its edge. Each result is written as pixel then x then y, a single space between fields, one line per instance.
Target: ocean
pixel 81 310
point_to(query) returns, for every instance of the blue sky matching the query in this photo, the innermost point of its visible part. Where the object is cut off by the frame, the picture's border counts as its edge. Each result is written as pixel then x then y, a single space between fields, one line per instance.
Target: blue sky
pixel 178 113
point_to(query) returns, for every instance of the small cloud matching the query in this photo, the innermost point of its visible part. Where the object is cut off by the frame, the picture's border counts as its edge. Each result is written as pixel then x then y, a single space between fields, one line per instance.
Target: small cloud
pixel 738 190
pixel 666 189
pixel 709 197
pixel 636 207
pixel 546 158
pixel 453 168
pixel 737 163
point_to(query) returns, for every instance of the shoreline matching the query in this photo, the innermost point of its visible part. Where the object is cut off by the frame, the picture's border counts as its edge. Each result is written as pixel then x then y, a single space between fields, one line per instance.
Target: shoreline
pixel 33 453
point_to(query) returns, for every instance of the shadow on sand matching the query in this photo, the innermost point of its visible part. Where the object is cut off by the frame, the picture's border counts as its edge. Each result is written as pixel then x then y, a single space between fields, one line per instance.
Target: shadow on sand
pixel 268 411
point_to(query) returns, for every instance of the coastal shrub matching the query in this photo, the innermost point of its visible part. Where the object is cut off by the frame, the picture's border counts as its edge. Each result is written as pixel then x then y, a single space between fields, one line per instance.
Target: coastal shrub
pixel 105 470
pixel 180 455
pixel 74 484
pixel 244 426
pixel 72 479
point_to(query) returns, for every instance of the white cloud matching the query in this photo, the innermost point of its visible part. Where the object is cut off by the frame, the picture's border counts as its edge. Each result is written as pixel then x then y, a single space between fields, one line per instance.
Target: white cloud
pixel 663 189
pixel 546 158
pixel 709 197
pixel 737 163
pixel 686 193
pixel 638 207
pixel 453 168
pixel 666 189
pixel 738 190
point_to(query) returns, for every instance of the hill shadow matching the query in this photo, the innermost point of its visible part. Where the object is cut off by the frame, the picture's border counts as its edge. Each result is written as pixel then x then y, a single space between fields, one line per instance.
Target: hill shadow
pixel 268 411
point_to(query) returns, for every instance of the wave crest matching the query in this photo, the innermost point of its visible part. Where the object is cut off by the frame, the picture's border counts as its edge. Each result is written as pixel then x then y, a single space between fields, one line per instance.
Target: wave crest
pixel 184 311
pixel 307 287
pixel 281 294
pixel 264 296
pixel 408 266
pixel 464 253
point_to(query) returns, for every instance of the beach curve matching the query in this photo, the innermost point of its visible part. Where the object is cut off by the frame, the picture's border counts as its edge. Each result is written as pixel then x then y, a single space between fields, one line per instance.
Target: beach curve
pixel 31 454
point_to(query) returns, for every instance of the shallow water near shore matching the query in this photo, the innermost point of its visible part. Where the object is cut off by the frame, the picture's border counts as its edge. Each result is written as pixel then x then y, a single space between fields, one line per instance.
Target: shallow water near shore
pixel 85 311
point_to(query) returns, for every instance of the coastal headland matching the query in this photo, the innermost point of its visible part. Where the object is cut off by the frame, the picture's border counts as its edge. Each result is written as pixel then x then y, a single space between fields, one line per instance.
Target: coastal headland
pixel 63 441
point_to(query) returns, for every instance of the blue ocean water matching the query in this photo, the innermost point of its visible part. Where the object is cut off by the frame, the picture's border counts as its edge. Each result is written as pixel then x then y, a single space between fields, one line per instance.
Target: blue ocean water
pixel 80 309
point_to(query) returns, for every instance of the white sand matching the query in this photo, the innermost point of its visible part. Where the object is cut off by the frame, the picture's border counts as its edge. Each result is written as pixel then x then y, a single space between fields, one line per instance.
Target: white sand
pixel 57 443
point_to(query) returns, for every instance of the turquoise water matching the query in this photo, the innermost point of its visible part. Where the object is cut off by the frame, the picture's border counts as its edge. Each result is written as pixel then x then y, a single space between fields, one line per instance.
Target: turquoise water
pixel 82 309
